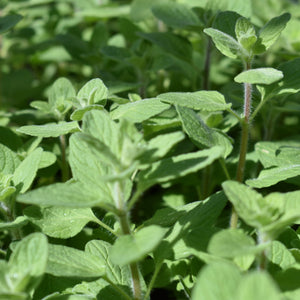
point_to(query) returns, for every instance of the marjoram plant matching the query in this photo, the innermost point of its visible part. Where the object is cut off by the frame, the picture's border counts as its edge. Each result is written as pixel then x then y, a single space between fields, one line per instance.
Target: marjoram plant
pixel 78 235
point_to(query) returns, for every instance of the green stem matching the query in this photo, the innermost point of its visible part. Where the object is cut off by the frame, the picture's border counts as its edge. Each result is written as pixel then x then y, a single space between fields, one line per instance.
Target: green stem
pixel 64 165
pixel 224 168
pixel 262 238
pixel 206 70
pixel 123 293
pixel 105 226
pixel 125 227
pixel 244 141
pixel 152 281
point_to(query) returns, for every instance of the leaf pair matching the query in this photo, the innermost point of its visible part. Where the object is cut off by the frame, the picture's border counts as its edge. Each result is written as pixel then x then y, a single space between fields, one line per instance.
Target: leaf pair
pixel 246 42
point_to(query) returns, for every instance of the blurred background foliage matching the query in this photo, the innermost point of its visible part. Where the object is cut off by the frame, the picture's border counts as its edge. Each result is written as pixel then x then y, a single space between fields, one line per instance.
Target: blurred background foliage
pixel 130 45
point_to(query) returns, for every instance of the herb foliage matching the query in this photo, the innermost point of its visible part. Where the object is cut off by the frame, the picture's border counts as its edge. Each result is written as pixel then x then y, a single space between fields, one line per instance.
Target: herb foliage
pixel 159 155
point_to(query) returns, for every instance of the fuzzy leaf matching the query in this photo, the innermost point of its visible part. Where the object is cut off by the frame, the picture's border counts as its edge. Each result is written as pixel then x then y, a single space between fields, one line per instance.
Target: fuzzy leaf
pixel 278 254
pixel 26 171
pixel 202 100
pixel 177 166
pixel 69 194
pixel 28 262
pixel 200 133
pixel 271 31
pixel 226 44
pixel 245 33
pixel 272 176
pixel 8 160
pixel 67 261
pixel 60 93
pixel 94 91
pixel 210 284
pixel 59 222
pixel 139 111
pixel 257 285
pixel 78 114
pixel 230 243
pixel 115 273
pixel 50 130
pixel 259 76
pixel 281 154
pixel 250 205
pixel 128 249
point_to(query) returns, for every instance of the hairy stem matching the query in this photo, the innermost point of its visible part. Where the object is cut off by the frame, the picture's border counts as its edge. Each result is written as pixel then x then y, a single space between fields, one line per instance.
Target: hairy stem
pixel 244 141
pixel 125 226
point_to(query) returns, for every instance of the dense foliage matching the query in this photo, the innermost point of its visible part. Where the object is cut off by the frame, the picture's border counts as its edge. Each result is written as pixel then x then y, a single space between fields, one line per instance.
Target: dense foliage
pixel 149 149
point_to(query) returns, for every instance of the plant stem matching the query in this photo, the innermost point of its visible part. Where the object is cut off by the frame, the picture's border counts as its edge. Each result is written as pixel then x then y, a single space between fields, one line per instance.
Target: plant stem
pixel 125 226
pixel 206 69
pixel 244 141
pixel 117 288
pixel 152 281
pixel 64 165
pixel 262 239
pixel 99 222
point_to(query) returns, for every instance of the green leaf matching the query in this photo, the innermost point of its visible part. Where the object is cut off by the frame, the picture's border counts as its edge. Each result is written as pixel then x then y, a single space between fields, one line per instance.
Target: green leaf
pixel 88 168
pixel 282 153
pixel 271 31
pixel 9 21
pixel 41 106
pixel 26 171
pixel 291 80
pixel 171 43
pixel 9 160
pixel 225 21
pixel 257 285
pixel 105 12
pixel 94 91
pixel 177 166
pixel 176 15
pixel 67 261
pixel 59 222
pixel 78 114
pixel 226 44
pixel 245 33
pixel 278 254
pixel 202 100
pixel 117 274
pixel 259 76
pixel 69 194
pixel 128 248
pixel 210 283
pixel 17 223
pixel 47 159
pixel 28 262
pixel 160 145
pixel 139 111
pixel 60 93
pixel 250 205
pixel 272 176
pixel 99 124
pixel 200 133
pixel 50 130
pixel 230 243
